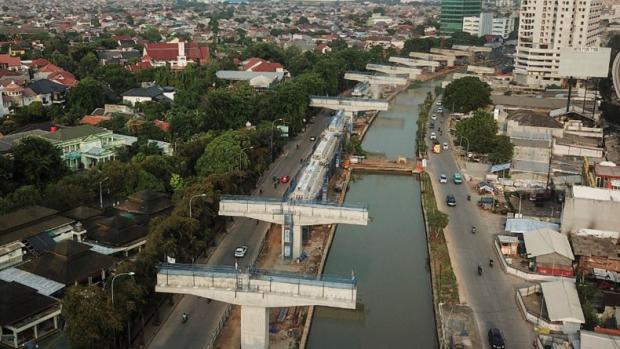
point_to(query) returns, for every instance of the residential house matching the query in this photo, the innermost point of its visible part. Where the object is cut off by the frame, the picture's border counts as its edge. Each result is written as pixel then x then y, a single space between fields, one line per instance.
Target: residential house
pixel 607 175
pixel 10 63
pixel 146 203
pixel 26 314
pixel 176 54
pixel 596 252
pixel 70 262
pixel 549 252
pixel 590 208
pixel 260 65
pixel 593 340
pixel 48 92
pixel 43 69
pixel 148 93
pixel 259 80
pixel 120 57
pixel 119 235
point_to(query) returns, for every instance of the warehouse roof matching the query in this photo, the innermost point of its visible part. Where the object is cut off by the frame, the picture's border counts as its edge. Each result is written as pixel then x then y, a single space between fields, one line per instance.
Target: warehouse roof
pixel 546 241
pixel 562 301
pixel 599 194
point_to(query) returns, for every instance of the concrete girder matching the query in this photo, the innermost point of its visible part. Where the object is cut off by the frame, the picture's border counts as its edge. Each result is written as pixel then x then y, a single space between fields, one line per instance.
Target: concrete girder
pixel 411 73
pixel 431 65
pixel 349 104
pixel 434 57
pixel 376 81
pixel 453 53
pixel 304 214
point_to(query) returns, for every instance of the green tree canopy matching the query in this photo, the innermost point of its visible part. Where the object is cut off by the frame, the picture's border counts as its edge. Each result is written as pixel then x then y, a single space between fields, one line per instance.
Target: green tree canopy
pixel 91 320
pixel 37 162
pixel 502 151
pixel 86 96
pixel 467 94
pixel 223 154
pixel 479 131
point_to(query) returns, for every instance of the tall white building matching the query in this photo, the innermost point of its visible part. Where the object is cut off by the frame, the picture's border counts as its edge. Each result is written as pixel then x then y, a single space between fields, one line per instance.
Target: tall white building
pixel 544 27
pixel 485 24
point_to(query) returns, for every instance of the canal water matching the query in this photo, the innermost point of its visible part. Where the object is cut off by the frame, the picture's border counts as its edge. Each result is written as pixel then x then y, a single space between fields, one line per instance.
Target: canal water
pixel 389 256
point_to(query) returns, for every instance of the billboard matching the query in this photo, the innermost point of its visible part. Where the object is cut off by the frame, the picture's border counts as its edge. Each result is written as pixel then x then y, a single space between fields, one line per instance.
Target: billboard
pixel 584 62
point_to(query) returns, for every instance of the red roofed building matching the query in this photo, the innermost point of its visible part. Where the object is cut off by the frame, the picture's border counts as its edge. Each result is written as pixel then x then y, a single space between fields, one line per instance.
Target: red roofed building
pixel 323 48
pixel 176 54
pixel 52 72
pixel 94 119
pixel 163 125
pixel 260 65
pixel 10 63
pixel 145 63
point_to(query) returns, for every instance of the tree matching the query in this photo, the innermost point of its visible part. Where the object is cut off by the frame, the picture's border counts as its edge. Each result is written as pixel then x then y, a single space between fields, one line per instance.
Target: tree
pixel 86 96
pixel 91 319
pixel 116 77
pixel 502 151
pixel 223 154
pixel 303 20
pixel 437 221
pixel 479 131
pixel 37 162
pixel 467 94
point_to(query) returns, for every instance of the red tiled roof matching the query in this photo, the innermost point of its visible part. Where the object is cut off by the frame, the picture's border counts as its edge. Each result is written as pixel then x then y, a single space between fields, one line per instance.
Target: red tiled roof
pixel 260 65
pixel 63 78
pixel 39 62
pixel 13 87
pixel 4 72
pixel 10 61
pixel 163 125
pixel 94 119
pixel 143 64
pixel 50 68
pixel 170 51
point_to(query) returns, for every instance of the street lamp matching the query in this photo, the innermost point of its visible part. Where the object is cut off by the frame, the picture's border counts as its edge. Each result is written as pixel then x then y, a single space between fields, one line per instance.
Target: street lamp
pixel 241 153
pixel 273 123
pixel 131 273
pixel 101 193
pixel 190 202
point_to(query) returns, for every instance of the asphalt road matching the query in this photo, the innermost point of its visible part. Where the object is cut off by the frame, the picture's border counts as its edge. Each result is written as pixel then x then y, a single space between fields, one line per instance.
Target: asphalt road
pixel 203 316
pixel 492 295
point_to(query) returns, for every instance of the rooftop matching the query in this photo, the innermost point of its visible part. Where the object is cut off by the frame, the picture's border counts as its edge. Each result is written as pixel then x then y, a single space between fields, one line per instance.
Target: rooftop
pixel 595 246
pixel 19 302
pixel 546 241
pixel 73 133
pixel 598 194
pixel 532 118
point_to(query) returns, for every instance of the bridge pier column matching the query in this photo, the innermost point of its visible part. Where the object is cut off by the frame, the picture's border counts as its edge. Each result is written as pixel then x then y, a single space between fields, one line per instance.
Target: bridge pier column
pixel 376 91
pixel 297 241
pixel 254 327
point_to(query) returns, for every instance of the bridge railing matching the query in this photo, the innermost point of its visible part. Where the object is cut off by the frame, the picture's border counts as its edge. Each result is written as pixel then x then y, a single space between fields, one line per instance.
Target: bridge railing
pixel 305 203
pixel 353 99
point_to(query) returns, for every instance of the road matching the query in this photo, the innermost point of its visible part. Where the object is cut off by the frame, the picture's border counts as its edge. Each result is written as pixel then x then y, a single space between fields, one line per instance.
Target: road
pixel 195 333
pixel 492 295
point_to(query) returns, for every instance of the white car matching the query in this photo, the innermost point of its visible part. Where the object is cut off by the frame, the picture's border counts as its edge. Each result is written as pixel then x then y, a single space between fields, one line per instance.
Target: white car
pixel 443 178
pixel 433 135
pixel 440 110
pixel 438 103
pixel 434 117
pixel 445 145
pixel 241 251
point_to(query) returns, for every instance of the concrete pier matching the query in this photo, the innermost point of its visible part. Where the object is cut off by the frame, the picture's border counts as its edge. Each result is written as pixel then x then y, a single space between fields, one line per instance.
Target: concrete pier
pixel 256 291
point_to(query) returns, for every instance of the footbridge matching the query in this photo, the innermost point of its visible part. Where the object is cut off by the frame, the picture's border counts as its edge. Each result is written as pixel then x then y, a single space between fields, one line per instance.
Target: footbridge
pixel 430 65
pixel 256 291
pixel 292 215
pixel 376 81
pixel 411 73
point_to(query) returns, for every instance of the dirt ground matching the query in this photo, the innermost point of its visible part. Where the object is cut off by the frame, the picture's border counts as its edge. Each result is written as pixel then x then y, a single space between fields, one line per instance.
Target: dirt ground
pixel 460 325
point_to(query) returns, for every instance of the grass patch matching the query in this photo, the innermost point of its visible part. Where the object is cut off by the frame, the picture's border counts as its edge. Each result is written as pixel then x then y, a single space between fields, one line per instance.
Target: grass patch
pixel 445 286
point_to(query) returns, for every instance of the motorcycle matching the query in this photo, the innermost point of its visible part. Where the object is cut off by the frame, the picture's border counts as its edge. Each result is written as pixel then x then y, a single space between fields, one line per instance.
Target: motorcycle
pixel 473 230
pixel 184 317
pixel 468 197
pixel 479 270
pixel 491 263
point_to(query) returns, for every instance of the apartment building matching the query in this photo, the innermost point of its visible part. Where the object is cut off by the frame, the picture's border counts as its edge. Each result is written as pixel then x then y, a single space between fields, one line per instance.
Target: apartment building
pixel 545 26
pixel 486 24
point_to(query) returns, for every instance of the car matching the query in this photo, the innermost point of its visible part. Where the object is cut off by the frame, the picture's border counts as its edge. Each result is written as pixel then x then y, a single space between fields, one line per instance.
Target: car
pixel 440 110
pixel 285 179
pixel 433 135
pixel 438 103
pixel 241 251
pixel 432 125
pixel 496 340
pixel 451 200
pixel 313 138
pixel 445 145
pixel 457 178
pixel 434 117
pixel 443 178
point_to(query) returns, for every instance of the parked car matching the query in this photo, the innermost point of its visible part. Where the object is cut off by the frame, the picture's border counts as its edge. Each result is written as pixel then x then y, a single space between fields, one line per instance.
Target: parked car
pixel 440 110
pixel 496 340
pixel 241 251
pixel 457 178
pixel 451 200
pixel 285 179
pixel 443 178
pixel 434 117
pixel 438 103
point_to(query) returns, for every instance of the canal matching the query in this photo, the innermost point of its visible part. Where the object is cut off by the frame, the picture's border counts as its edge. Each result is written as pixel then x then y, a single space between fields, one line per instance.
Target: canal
pixel 389 255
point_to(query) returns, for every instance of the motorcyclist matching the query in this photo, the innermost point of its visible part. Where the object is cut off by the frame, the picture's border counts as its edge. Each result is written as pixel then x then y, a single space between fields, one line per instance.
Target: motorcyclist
pixel 184 317
pixel 491 262
pixel 473 230
pixel 479 270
